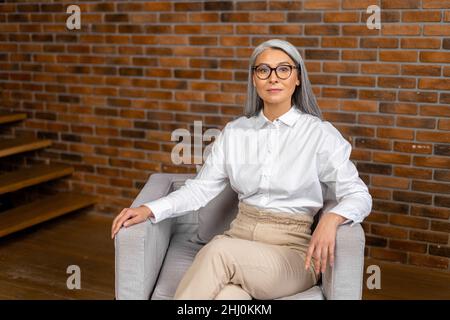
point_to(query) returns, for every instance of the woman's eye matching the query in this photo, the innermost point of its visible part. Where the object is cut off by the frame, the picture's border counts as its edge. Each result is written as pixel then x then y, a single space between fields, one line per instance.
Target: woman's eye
pixel 262 70
pixel 283 69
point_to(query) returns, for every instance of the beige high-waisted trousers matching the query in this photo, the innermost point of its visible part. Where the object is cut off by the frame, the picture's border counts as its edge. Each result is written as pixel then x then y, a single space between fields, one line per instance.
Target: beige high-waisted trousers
pixel 261 256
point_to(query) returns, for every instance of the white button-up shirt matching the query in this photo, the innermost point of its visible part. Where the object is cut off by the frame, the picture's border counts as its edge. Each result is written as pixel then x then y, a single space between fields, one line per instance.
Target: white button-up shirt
pixel 297 164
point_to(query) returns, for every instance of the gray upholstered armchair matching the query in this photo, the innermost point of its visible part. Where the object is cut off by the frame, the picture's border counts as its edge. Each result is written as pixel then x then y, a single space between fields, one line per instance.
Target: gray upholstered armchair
pixel 150 259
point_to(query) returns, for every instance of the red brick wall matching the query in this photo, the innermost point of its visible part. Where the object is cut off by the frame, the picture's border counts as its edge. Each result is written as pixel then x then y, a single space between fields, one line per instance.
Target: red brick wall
pixel 110 94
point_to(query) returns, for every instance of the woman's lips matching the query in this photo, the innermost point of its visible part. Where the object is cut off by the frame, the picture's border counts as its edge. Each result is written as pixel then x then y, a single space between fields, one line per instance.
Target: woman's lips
pixel 274 90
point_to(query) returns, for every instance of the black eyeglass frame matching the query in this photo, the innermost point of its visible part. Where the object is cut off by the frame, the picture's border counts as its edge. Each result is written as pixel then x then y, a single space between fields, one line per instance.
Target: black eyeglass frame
pixel 274 69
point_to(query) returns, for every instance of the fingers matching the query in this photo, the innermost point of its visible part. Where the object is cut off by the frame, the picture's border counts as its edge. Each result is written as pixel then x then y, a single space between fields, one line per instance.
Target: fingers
pixel 125 216
pixel 317 256
pixel 308 256
pixel 323 262
pixel 331 254
pixel 117 218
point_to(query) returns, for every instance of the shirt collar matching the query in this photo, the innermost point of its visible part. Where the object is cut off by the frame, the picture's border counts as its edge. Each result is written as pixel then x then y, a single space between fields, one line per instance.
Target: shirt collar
pixel 289 118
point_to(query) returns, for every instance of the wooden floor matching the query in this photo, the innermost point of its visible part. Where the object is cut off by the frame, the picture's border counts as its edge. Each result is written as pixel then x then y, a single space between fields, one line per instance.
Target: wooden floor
pixel 34 263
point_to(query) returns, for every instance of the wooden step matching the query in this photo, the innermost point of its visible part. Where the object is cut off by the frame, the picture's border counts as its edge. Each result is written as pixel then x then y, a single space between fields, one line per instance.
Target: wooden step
pixel 42 210
pixel 6 117
pixel 12 146
pixel 26 177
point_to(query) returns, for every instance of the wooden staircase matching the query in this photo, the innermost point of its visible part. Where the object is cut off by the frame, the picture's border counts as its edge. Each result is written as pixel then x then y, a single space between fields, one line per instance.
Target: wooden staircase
pixel 46 207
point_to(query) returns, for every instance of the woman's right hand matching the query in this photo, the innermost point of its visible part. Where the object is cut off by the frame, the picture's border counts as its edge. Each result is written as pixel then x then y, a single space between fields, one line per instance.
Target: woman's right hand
pixel 129 216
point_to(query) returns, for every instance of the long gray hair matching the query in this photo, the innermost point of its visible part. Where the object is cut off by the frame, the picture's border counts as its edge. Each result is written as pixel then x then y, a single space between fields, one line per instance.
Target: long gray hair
pixel 303 97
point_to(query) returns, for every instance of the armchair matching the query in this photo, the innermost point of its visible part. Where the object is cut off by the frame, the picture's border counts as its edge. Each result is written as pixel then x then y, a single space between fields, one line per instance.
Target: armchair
pixel 150 259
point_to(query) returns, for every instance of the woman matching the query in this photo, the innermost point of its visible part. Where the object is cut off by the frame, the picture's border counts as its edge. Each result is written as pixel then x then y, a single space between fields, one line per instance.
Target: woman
pixel 292 161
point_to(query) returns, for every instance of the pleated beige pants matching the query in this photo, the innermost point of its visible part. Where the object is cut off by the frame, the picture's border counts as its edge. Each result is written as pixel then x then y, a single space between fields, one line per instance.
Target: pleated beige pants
pixel 261 256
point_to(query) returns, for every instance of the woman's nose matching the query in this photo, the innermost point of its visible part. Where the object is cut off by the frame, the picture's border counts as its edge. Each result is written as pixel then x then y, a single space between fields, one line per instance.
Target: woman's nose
pixel 273 77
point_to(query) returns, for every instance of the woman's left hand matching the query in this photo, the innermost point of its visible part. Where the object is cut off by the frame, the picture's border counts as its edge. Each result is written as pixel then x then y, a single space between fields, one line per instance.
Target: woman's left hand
pixel 322 242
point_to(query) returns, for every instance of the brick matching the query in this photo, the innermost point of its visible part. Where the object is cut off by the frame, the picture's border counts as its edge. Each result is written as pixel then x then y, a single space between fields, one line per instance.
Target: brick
pixel 340 17
pixel 376 119
pixel 421 16
pixel 435 237
pixel 430 212
pixel 414 122
pixel 414 197
pixel 410 222
pixel 322 79
pixel 304 42
pixel 442 149
pixel 192 6
pixel 390 182
pixel 435 162
pixel 427 70
pixel 285 5
pixel 321 4
pixel 382 95
pixel 304 17
pixel 436 4
pixel 374 168
pixel 360 55
pixel 340 67
pixel 441 175
pixel 321 29
pixel 389 231
pixel 413 147
pixel 420 43
pixel 408 246
pixel 417 96
pixel 392 158
pixel 396 82
pixel 273 17
pixel 359 31
pixel 427 186
pixel 339 42
pixel 356 4
pixel 379 43
pixel 218 5
pixel 359 106
pixel 400 56
pixel 440 226
pixel 434 84
pixel 380 68
pixel 436 30
pixel 433 136
pixel 412 172
pixel 321 54
pixel 442 201
pixel 444 98
pixel 339 93
pixel 203 17
pixel 443 251
pixel 252 29
pixel 430 56
pixel 376 241
pixel 287 29
pixel 400 30
pixel 358 81
pixel 400 4
pixel 251 5
pixel 388 255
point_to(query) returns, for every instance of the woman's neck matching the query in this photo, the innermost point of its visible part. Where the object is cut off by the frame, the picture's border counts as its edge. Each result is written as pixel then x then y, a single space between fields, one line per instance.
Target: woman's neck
pixel 274 111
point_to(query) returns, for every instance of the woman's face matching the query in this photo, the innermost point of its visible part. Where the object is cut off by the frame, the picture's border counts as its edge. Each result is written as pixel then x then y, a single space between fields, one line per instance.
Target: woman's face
pixel 273 90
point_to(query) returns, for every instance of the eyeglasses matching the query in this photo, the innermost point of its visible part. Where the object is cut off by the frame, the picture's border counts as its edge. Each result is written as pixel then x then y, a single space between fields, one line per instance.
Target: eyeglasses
pixel 263 71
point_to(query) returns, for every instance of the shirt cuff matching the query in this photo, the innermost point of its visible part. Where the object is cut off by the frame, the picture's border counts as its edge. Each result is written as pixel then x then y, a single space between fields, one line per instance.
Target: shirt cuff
pixel 161 209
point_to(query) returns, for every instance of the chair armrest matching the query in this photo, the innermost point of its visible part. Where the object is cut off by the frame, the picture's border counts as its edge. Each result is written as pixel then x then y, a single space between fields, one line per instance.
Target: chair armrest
pixel 140 249
pixel 344 281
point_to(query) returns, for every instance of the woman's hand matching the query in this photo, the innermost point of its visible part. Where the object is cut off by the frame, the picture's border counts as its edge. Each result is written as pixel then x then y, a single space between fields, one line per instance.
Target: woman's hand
pixel 322 242
pixel 130 216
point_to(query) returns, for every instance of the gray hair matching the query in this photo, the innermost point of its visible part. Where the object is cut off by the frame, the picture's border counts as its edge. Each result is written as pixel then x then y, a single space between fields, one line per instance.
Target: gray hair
pixel 303 97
